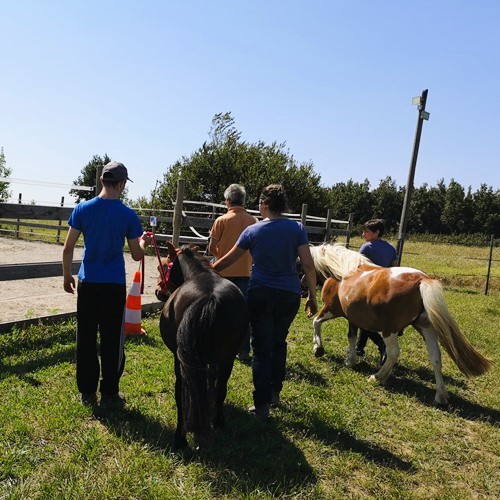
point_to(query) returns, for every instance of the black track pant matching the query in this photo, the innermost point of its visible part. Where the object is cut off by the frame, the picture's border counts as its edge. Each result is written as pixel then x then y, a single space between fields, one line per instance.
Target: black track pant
pixel 100 307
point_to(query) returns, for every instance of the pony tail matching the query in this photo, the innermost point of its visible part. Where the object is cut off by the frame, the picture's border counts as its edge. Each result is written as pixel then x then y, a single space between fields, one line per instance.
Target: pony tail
pixel 192 342
pixel 469 361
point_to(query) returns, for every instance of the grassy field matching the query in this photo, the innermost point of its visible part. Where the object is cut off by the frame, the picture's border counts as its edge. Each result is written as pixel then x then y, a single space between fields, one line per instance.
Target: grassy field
pixel 335 435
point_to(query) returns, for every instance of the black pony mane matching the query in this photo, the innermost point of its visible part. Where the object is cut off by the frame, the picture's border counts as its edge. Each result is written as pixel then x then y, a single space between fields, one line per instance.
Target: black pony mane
pixel 200 261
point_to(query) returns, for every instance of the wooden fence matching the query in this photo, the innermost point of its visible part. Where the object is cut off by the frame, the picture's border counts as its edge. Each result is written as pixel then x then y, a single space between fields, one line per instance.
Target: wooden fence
pixel 188 223
pixel 181 225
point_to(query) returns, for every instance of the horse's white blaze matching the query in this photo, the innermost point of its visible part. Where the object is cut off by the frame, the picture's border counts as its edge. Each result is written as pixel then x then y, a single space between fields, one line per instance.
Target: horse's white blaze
pixel 397 271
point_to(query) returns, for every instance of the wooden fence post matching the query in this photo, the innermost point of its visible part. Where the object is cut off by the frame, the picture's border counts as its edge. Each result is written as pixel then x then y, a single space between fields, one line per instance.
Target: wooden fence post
pixel 349 230
pixel 176 230
pixel 328 229
pixel 19 200
pixel 489 264
pixel 58 238
pixel 303 215
pixel 98 185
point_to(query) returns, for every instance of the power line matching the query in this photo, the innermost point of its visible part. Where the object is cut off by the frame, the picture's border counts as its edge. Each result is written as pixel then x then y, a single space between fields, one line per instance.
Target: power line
pixel 47 184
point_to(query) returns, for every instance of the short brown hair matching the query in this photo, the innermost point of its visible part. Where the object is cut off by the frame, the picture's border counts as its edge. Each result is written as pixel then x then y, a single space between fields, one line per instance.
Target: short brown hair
pixel 375 225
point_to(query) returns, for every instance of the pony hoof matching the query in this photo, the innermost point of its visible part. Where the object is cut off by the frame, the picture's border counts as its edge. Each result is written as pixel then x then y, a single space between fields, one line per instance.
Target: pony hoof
pixel 350 362
pixel 374 380
pixel 318 351
pixel 441 402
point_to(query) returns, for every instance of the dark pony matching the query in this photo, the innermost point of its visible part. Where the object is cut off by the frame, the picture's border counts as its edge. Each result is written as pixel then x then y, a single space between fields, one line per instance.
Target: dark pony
pixel 203 323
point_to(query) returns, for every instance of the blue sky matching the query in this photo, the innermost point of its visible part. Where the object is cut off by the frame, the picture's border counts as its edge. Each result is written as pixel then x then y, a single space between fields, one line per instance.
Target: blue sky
pixel 142 80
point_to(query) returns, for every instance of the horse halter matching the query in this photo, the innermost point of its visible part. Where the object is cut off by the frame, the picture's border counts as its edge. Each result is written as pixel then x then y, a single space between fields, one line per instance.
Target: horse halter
pixel 167 283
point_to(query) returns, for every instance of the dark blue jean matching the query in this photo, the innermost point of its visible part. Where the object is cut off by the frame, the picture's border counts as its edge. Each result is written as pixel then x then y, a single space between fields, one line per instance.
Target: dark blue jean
pixel 242 283
pixel 271 314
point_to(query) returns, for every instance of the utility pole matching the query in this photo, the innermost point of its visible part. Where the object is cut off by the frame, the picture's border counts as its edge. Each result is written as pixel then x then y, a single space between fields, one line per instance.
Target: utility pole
pixel 419 101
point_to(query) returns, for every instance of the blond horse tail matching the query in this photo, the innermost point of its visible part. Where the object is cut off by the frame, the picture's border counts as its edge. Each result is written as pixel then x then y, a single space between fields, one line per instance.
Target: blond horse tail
pixel 470 362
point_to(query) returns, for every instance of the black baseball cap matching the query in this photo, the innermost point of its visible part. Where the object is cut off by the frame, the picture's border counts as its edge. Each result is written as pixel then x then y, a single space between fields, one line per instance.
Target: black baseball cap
pixel 115 171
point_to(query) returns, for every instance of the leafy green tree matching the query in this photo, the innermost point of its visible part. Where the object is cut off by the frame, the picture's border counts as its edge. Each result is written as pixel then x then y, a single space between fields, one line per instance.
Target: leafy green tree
pixel 225 159
pixel 387 203
pixel 4 172
pixel 351 197
pixel 486 210
pixel 426 207
pixel 88 177
pixel 457 210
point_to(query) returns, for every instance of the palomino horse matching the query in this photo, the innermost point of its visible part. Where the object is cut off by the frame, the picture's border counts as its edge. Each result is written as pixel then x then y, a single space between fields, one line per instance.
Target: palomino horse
pixel 203 323
pixel 387 300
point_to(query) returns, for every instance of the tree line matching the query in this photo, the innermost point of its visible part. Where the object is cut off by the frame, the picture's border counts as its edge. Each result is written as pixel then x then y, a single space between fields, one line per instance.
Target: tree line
pixel 225 158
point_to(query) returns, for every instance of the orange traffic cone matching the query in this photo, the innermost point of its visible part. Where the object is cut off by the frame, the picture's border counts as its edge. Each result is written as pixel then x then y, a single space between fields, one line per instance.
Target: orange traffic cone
pixel 133 308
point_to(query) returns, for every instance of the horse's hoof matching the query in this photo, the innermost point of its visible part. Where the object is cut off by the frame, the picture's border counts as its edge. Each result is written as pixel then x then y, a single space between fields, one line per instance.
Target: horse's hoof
pixel 374 380
pixel 441 401
pixel 349 362
pixel 318 351
pixel 441 404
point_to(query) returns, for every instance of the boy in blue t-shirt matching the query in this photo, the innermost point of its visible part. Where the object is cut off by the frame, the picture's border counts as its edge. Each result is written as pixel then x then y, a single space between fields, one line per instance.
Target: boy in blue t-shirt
pixel 105 223
pixel 383 254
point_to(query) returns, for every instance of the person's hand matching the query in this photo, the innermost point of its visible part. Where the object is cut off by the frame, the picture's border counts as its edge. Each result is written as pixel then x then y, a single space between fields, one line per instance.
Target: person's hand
pixel 147 238
pixel 311 307
pixel 69 284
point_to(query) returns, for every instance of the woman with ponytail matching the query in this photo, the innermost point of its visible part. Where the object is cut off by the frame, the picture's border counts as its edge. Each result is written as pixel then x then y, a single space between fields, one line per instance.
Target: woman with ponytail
pixel 274 291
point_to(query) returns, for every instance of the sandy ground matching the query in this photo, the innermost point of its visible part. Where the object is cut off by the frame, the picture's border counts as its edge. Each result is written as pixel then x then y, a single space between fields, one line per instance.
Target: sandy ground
pixel 25 299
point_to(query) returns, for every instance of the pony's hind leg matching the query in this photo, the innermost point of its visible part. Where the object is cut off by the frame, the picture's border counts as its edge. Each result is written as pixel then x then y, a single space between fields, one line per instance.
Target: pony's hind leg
pixel 223 373
pixel 352 357
pixel 392 351
pixel 180 440
pixel 431 342
pixel 318 348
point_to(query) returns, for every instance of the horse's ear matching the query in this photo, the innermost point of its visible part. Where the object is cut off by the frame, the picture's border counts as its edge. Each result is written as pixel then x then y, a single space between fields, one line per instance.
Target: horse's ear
pixel 172 252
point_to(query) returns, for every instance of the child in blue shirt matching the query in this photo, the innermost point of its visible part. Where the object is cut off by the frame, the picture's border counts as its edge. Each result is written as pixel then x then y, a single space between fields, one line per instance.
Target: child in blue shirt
pixel 383 254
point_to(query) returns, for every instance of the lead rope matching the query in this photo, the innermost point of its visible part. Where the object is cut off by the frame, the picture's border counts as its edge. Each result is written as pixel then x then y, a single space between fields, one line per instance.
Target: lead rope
pixel 157 251
pixel 142 267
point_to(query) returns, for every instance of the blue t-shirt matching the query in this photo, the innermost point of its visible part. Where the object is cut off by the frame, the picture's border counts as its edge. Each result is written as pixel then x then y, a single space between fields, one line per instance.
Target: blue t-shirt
pixel 380 252
pixel 273 245
pixel 105 224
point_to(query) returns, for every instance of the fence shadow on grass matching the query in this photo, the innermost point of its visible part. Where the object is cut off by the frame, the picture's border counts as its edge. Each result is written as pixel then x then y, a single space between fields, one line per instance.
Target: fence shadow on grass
pixel 39 361
pixel 343 441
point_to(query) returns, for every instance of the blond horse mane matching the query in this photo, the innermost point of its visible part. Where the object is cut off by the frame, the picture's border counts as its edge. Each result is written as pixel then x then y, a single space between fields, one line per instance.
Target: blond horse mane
pixel 336 260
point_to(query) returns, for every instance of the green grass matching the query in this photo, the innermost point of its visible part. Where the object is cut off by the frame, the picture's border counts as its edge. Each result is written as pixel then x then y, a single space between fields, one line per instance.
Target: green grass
pixel 335 436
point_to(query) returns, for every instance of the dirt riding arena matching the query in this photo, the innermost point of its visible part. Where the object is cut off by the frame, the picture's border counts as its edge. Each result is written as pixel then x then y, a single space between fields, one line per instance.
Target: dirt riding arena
pixel 31 298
